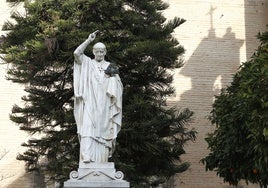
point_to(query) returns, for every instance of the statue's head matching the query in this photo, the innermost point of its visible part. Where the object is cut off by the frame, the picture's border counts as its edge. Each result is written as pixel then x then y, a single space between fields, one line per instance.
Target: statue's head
pixel 99 51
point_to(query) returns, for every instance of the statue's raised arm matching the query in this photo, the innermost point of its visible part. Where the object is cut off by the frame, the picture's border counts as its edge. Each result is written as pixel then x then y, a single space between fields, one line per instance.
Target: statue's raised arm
pixel 79 51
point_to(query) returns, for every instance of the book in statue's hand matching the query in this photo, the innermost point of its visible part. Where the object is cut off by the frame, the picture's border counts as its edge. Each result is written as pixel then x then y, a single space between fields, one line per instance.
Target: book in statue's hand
pixel 112 70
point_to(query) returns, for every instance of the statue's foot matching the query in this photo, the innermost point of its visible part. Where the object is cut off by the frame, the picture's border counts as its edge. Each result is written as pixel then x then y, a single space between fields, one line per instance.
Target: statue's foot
pixel 87 160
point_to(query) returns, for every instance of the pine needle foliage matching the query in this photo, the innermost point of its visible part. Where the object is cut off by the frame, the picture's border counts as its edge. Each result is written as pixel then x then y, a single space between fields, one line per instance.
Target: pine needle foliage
pixel 139 40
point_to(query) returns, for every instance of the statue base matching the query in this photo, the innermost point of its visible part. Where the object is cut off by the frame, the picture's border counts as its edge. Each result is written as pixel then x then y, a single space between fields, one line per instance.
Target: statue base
pixel 96 175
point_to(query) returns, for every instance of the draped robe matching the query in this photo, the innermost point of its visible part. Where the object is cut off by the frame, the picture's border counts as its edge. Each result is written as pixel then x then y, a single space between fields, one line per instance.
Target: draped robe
pixel 97 108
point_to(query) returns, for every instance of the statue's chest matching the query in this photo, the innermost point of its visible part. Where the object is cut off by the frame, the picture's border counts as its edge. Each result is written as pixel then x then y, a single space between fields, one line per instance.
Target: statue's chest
pixel 98 71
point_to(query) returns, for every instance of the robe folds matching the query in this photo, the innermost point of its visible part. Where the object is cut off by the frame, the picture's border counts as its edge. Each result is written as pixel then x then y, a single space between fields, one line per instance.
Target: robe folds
pixel 97 108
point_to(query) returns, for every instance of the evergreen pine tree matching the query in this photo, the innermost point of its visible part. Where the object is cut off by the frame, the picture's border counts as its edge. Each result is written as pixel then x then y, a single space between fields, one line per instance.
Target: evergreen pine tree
pixel 139 40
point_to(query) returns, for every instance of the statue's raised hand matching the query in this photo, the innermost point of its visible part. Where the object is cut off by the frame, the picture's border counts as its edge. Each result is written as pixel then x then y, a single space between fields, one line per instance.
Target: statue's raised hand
pixel 92 36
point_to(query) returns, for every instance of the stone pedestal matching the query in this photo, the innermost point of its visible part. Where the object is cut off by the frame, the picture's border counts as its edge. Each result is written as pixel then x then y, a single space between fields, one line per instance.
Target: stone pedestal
pixel 96 175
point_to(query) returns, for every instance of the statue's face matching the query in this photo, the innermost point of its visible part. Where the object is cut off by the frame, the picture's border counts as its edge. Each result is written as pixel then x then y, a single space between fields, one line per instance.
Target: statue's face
pixel 99 54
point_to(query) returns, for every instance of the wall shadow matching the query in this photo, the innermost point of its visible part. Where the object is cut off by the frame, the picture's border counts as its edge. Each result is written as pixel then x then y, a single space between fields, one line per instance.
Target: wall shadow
pixel 210 68
pixel 31 180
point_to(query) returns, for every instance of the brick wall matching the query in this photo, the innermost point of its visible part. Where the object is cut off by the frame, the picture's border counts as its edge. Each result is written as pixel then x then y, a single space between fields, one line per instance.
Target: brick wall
pixel 217 36
pixel 12 172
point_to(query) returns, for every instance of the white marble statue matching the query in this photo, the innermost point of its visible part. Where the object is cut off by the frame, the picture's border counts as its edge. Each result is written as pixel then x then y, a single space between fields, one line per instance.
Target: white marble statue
pixel 98 102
